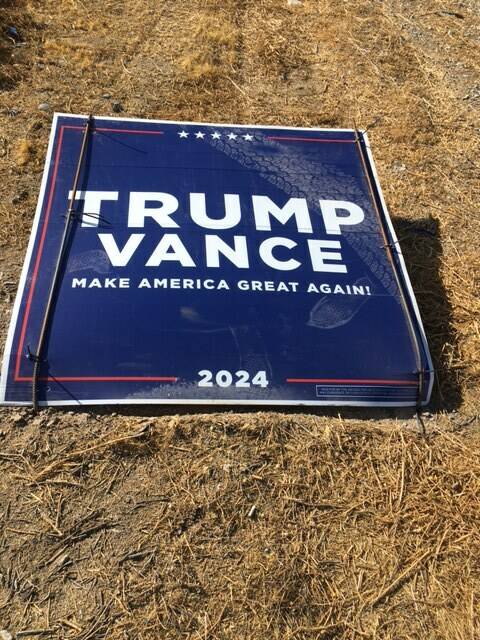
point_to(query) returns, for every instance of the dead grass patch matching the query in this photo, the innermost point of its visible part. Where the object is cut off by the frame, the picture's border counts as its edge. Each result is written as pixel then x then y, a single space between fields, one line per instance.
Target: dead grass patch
pixel 24 152
pixel 210 51
pixel 258 526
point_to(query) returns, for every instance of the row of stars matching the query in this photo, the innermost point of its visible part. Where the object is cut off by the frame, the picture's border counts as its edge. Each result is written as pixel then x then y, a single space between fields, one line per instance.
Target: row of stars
pixel 200 135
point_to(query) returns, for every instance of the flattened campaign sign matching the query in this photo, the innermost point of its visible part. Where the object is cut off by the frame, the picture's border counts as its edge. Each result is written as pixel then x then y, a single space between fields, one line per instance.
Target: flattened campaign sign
pixel 197 263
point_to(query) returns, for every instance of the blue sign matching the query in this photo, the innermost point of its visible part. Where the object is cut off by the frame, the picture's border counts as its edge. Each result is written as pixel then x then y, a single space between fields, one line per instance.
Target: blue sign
pixel 197 263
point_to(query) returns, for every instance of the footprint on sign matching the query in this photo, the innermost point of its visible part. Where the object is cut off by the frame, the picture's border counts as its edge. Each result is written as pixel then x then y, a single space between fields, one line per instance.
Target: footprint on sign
pixel 94 260
pixel 334 310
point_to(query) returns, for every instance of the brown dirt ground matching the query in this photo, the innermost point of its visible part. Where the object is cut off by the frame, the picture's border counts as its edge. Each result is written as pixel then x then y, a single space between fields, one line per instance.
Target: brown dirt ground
pixel 142 524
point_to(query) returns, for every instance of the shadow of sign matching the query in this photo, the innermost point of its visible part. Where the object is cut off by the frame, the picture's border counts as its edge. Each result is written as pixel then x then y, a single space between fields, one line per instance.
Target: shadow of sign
pixel 422 249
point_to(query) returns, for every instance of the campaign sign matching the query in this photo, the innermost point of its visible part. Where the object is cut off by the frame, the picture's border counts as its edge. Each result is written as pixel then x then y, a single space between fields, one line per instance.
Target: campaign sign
pixel 212 264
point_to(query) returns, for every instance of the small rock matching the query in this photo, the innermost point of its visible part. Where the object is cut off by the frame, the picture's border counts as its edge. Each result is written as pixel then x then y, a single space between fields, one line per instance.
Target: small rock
pixel 106 96
pixel 5 635
pixel 12 33
pixel 473 93
pixel 117 107
pixel 398 166
pixel 293 3
pixel 13 113
pixel 19 197
pixel 44 106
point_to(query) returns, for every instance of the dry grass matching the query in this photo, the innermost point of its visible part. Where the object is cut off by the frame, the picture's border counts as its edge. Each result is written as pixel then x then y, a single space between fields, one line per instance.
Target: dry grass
pixel 24 152
pixel 360 530
pixel 210 52
pixel 227 526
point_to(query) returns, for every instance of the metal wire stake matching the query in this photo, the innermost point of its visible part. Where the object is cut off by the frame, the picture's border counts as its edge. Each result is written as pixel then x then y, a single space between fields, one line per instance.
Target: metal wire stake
pixel 38 358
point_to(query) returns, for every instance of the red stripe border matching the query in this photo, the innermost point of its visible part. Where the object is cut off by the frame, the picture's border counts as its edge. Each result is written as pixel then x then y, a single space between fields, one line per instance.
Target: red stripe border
pixel 100 379
pixel 113 130
pixel 298 139
pixel 39 254
pixel 18 378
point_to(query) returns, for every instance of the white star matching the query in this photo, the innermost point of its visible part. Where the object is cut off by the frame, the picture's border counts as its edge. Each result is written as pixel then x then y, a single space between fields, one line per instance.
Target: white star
pixel 247 136
pixel 183 134
pixel 216 135
pixel 232 136
pixel 199 134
